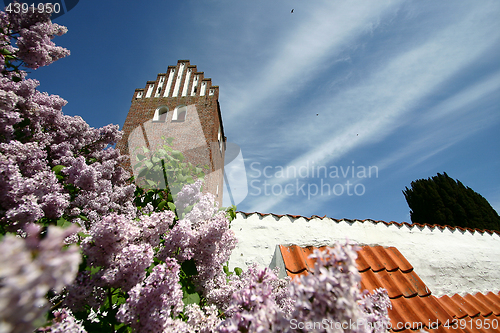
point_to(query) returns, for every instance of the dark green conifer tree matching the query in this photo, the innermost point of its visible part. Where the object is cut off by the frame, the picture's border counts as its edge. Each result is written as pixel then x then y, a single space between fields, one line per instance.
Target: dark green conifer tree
pixel 444 201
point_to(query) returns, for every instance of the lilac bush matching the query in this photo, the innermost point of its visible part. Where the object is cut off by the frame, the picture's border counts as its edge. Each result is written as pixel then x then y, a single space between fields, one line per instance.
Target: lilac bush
pixel 29 268
pixel 64 322
pixel 84 249
pixel 36 139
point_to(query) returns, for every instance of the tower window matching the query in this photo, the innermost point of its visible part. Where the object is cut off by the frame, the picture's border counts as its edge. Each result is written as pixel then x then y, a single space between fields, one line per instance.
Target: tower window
pixel 219 138
pixel 160 114
pixel 180 114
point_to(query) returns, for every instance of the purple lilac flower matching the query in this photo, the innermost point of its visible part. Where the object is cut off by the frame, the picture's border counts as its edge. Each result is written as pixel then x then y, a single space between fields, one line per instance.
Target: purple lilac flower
pixel 152 304
pixel 29 268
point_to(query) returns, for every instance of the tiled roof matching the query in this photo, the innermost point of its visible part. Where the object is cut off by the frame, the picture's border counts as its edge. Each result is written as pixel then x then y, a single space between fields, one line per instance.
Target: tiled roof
pixel 412 302
pixel 420 225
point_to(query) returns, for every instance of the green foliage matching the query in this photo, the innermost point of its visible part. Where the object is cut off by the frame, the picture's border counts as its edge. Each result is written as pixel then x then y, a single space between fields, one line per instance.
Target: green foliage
pixel 230 212
pixel 237 270
pixel 161 175
pixel 11 62
pixel 444 201
pixel 187 272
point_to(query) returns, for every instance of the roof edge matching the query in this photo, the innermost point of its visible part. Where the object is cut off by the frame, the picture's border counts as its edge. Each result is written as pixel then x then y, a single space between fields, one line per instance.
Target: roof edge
pixel 400 224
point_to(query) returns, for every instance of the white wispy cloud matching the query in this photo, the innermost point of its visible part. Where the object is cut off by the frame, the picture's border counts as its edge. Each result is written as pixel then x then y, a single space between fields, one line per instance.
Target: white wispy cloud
pixel 380 102
pixel 301 52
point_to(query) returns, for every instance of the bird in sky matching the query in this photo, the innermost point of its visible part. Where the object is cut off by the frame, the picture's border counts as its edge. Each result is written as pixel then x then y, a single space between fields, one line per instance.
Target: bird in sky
pixel 292 10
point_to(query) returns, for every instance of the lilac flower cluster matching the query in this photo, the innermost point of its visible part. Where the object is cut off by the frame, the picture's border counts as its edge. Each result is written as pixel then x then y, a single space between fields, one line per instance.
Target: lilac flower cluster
pixel 152 304
pixel 189 195
pixel 35 138
pixel 34 43
pixel 254 307
pixel 203 235
pixel 29 268
pixel 332 291
pixel 122 249
pixel 64 322
pixel 375 308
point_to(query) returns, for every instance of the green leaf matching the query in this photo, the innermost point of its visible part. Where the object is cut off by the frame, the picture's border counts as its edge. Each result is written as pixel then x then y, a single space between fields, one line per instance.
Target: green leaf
pixel 151 183
pixel 124 329
pixel 178 155
pixel 171 206
pixel 63 223
pixel 143 172
pixel 238 271
pixel 57 169
pixel 93 270
pixel 193 298
pixel 83 235
pixel 140 157
pixel 162 204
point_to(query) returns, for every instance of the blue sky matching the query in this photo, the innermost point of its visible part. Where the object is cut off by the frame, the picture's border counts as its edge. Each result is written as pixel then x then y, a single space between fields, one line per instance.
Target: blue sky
pixel 408 88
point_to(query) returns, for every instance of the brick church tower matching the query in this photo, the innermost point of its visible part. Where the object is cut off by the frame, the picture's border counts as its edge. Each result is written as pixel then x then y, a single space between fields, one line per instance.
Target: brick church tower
pixel 183 105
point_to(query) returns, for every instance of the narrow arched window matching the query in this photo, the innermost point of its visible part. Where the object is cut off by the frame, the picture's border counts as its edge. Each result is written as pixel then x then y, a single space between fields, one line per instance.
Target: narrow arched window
pixel 180 113
pixel 160 114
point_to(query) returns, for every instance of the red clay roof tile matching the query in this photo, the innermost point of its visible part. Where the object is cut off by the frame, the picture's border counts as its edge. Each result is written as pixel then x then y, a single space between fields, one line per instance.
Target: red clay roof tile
pixel 483 308
pixel 412 301
pixel 465 305
pixel 461 309
pixel 491 300
pixel 452 307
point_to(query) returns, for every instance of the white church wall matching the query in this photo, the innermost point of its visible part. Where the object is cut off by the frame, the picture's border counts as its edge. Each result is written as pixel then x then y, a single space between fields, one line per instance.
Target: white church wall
pixel 448 261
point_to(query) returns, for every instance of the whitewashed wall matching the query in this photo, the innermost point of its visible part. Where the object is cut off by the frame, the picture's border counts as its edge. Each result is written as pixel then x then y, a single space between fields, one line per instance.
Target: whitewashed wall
pixel 447 261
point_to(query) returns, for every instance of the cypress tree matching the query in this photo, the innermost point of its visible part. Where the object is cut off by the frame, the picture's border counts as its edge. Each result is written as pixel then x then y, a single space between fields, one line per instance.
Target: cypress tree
pixel 444 201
